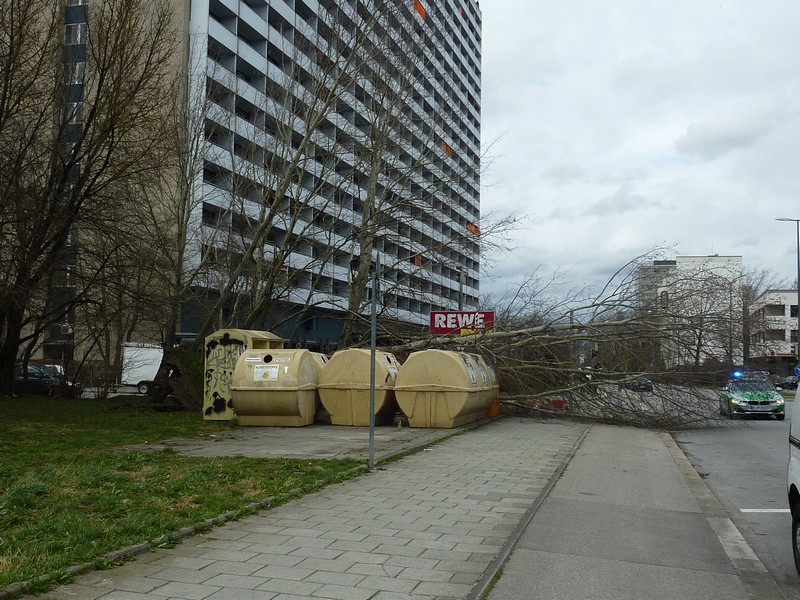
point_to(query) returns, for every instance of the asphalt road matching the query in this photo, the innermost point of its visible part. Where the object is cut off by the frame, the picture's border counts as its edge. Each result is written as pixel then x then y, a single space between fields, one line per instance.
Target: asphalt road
pixel 744 464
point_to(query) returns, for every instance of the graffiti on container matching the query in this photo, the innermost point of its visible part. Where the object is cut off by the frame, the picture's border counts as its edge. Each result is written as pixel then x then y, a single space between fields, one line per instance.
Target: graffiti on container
pixel 221 356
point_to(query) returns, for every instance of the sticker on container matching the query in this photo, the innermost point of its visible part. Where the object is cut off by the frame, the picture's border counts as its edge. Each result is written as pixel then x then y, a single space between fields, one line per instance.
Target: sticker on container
pixel 472 375
pixel 282 359
pixel 252 359
pixel 266 373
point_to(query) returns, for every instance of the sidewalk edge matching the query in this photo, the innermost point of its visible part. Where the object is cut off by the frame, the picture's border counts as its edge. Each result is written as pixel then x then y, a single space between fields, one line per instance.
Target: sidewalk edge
pixel 755 577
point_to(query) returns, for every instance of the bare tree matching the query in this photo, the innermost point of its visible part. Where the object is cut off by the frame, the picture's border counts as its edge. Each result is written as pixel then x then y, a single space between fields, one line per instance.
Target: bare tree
pixel 72 130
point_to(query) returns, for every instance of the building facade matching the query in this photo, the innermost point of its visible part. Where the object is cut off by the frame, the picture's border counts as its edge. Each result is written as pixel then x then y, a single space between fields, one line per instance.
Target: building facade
pixel 330 130
pixel 698 301
pixel 773 338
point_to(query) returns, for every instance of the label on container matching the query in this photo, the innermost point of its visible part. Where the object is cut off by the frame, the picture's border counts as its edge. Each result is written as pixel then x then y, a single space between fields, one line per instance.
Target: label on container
pixel 282 359
pixel 266 372
pixel 252 359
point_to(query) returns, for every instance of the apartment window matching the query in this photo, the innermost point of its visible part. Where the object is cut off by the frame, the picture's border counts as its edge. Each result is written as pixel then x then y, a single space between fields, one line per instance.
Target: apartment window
pixel 74 34
pixel 793 311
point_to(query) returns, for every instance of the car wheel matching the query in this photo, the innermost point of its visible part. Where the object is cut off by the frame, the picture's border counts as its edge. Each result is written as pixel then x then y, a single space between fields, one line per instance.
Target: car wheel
pixel 780 417
pixel 796 538
pixel 143 387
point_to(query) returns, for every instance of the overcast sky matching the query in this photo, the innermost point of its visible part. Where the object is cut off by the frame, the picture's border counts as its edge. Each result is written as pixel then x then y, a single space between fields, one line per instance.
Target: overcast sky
pixel 625 125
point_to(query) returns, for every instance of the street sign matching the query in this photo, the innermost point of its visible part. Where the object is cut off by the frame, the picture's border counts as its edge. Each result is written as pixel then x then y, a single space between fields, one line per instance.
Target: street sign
pixel 797 370
pixel 448 322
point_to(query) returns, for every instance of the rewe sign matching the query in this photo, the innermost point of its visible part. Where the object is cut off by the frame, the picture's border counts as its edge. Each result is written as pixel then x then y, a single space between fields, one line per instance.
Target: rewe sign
pixel 457 321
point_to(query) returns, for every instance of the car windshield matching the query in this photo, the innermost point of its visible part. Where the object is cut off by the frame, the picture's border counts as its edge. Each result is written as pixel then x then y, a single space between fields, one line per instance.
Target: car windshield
pixel 751 386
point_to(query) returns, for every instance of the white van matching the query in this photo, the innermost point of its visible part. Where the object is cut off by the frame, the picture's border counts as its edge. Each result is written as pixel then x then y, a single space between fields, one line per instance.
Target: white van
pixel 793 476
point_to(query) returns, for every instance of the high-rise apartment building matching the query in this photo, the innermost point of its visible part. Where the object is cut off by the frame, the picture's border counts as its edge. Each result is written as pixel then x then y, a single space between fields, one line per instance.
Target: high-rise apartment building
pixel 331 130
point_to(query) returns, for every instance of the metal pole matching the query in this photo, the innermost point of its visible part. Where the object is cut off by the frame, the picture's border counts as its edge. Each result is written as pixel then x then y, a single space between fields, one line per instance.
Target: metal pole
pixel 461 288
pixel 372 342
pixel 797 336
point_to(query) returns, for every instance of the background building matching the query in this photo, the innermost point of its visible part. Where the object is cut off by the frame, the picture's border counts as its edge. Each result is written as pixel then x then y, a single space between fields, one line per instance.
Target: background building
pixel 774 330
pixel 699 303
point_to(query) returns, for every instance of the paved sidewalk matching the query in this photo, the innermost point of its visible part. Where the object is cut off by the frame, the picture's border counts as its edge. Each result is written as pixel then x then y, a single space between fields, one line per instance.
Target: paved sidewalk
pixel 629 519
pixel 427 526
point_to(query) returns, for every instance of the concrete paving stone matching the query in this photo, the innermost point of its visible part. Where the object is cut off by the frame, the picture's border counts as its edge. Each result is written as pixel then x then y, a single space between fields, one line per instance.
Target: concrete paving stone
pixel 446 555
pixel 226 580
pixel 353 546
pixel 185 562
pixel 461 566
pixel 431 544
pixel 425 575
pixel 347 527
pixel 267 538
pixel 186 591
pixel 373 530
pixel 418 535
pixel 327 519
pixel 120 595
pixel 224 544
pixel 289 597
pixel 239 594
pixel 308 552
pixel 276 560
pixel 383 570
pixel 278 572
pixel 183 575
pixel 394 550
pixel 231 568
pixel 375 558
pixel 292 522
pixel 339 536
pixel 301 532
pixel 195 550
pixel 224 533
pixel 390 584
pixel 466 578
pixel 329 577
pixel 287 586
pixel 412 562
pixel 383 595
pixel 74 591
pixel 275 548
pixel 385 539
pixel 338 592
pixel 456 590
pixel 261 529
pixel 229 555
pixel 338 565
pixel 478 548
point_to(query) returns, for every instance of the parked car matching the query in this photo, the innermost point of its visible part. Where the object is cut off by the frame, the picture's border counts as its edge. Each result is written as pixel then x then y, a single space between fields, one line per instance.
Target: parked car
pixel 790 383
pixel 639 384
pixel 39 381
pixel 751 397
pixel 793 478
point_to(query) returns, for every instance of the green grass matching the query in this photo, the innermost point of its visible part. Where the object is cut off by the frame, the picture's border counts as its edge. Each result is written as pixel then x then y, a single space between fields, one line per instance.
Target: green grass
pixel 69 493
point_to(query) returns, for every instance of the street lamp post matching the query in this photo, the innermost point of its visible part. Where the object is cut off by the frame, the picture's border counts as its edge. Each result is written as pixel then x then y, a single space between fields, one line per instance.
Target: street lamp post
pixel 373 337
pixel 797 337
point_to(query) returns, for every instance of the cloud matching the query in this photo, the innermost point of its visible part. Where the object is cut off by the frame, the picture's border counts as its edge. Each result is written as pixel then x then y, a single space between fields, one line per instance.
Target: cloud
pixel 622 201
pixel 720 135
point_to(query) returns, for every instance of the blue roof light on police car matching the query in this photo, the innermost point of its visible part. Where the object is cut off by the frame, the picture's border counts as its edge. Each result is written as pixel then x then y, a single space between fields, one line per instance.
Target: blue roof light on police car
pixel 737 374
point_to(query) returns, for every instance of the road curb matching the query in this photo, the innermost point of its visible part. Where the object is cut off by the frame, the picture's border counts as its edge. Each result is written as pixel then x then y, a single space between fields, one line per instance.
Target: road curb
pixel 486 580
pixel 752 572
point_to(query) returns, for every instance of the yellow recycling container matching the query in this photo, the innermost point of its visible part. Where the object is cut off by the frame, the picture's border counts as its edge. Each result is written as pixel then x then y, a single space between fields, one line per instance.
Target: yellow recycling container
pixel 276 388
pixel 440 388
pixel 344 387
pixel 222 350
